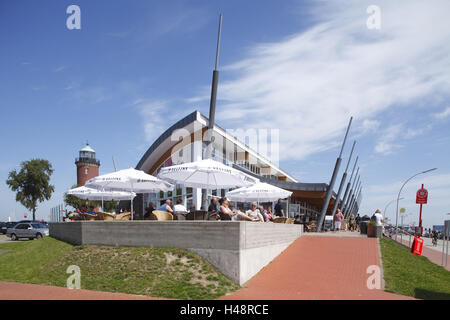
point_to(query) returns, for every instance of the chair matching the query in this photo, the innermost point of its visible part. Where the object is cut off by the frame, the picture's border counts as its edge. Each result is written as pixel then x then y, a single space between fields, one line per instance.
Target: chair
pixel 179 215
pixel 284 220
pixel 290 221
pixel 123 216
pixel 310 226
pixel 105 216
pixel 87 216
pixel 280 220
pixel 197 215
pixel 161 215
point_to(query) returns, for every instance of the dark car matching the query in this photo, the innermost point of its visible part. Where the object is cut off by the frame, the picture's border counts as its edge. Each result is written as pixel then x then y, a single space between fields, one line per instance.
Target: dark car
pixel 3 227
pixel 6 225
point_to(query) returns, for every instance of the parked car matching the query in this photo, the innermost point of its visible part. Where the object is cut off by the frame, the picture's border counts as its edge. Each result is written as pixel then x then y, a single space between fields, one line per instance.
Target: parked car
pixel 33 230
pixel 6 225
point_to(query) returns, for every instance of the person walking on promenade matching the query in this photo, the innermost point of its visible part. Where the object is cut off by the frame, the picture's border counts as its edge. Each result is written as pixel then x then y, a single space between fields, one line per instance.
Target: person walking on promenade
pixel 338 217
pixel 357 221
pixel 351 222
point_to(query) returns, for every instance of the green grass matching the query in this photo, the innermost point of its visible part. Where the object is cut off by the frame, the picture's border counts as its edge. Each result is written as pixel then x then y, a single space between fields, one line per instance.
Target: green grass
pixel 158 272
pixel 411 275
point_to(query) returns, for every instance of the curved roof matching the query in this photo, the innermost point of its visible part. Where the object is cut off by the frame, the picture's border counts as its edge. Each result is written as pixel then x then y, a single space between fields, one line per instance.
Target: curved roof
pixel 87 148
pixel 180 124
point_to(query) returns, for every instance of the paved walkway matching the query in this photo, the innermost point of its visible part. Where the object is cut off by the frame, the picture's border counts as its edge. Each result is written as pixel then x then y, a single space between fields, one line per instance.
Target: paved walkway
pixel 22 291
pixel 318 267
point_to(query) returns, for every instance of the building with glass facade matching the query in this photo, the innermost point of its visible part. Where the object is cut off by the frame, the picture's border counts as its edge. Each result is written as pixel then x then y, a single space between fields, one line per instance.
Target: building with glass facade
pixel 186 141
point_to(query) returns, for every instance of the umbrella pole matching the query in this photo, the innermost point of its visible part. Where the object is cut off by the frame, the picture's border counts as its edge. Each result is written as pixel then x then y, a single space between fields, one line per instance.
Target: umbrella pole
pixel 132 202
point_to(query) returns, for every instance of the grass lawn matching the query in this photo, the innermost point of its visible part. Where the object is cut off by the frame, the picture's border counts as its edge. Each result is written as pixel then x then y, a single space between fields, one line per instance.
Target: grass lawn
pixel 158 272
pixel 411 275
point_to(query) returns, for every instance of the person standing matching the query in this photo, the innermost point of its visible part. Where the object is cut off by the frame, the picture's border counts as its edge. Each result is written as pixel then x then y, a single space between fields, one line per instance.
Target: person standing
pixel 378 218
pixel 338 217
pixel 357 221
pixel 279 212
pixel 351 222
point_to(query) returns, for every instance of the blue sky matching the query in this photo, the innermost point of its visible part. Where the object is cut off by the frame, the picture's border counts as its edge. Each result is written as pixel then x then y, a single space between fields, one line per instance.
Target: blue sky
pixel 303 67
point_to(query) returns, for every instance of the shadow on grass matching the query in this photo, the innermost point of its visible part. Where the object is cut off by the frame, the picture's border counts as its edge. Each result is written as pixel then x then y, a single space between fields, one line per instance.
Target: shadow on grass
pixel 430 295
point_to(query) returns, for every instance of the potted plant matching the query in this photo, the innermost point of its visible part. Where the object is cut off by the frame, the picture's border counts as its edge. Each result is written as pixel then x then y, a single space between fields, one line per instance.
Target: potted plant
pixel 372 229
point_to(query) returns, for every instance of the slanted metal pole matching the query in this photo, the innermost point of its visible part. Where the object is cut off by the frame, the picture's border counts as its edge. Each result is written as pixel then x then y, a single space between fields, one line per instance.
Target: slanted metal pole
pixel 341 186
pixel 347 189
pixel 355 197
pixel 352 190
pixel 212 107
pixel 353 205
pixel 329 192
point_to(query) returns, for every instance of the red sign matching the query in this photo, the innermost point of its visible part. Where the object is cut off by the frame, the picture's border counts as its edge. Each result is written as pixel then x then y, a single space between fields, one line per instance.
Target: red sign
pixel 422 196
pixel 417 246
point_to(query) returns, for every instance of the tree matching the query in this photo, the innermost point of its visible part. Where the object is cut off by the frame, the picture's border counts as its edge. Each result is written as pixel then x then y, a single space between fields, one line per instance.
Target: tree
pixel 73 201
pixel 32 183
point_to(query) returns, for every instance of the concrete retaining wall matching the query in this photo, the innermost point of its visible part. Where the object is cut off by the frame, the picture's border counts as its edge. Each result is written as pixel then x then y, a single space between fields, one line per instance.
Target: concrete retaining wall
pixel 237 249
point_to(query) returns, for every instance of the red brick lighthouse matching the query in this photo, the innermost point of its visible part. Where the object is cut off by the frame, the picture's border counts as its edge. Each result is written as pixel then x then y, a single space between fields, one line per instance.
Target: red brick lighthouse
pixel 87 165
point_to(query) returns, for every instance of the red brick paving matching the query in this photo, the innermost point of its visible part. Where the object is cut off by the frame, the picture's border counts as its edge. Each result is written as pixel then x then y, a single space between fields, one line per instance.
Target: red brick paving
pixel 322 268
pixel 22 291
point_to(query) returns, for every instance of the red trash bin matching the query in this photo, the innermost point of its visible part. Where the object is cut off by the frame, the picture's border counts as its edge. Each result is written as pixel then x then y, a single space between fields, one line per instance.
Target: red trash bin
pixel 417 246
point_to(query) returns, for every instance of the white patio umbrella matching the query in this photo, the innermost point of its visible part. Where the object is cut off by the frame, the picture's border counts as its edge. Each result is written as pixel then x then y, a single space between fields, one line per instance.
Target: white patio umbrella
pixel 257 192
pixel 129 180
pixel 96 194
pixel 208 174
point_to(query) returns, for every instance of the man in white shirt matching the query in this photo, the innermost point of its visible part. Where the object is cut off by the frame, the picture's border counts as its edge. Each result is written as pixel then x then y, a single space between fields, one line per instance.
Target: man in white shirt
pixel 180 210
pixel 379 218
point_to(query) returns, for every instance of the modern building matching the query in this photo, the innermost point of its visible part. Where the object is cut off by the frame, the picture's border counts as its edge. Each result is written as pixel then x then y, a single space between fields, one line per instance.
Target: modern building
pixel 87 165
pixel 184 142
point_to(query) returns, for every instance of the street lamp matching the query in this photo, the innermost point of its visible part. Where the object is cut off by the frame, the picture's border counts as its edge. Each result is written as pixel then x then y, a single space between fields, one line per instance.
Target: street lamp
pixel 398 197
pixel 390 202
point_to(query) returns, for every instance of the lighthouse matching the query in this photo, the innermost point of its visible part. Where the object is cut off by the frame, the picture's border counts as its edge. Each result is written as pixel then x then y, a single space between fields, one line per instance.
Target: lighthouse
pixel 87 165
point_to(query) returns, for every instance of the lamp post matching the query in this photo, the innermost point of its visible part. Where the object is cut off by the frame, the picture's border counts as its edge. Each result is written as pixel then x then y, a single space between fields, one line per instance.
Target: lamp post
pixel 390 202
pixel 398 197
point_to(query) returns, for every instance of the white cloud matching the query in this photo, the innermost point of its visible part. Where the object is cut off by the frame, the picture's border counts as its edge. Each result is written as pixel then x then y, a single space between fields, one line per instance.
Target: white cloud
pixel 310 83
pixel 153 113
pixel 442 115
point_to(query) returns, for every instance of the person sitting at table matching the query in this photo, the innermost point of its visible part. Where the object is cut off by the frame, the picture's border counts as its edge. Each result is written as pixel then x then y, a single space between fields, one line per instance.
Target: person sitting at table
pixel 167 206
pixel 91 210
pixel 263 213
pixel 226 213
pixel 269 214
pixel 254 213
pixel 180 210
pixel 149 210
pixel 213 213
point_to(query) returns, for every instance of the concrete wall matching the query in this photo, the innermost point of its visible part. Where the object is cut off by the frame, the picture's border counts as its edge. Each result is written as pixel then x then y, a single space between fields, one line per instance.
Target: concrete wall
pixel 237 249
